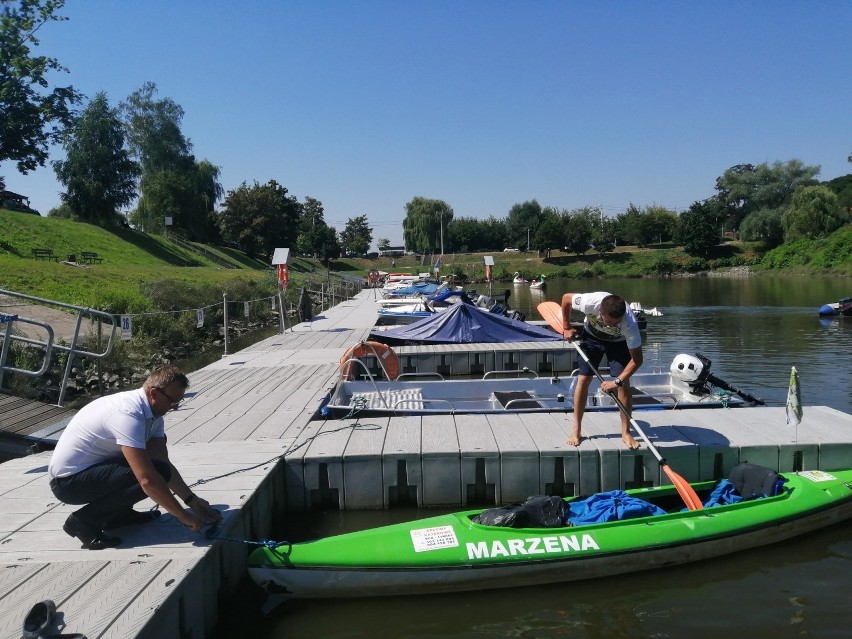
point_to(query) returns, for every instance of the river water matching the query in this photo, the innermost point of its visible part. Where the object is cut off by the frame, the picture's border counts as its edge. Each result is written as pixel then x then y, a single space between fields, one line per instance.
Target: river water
pixel 753 330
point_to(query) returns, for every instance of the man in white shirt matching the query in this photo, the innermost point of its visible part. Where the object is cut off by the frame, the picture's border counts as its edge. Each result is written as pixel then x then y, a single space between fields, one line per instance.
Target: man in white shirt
pixel 609 328
pixel 113 454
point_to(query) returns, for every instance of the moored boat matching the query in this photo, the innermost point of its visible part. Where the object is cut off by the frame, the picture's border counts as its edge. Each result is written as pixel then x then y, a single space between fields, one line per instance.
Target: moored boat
pixel 686 385
pixel 842 308
pixel 455 553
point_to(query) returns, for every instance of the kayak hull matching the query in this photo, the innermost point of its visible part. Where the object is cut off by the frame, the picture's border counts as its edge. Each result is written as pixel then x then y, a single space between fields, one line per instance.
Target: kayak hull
pixel 451 553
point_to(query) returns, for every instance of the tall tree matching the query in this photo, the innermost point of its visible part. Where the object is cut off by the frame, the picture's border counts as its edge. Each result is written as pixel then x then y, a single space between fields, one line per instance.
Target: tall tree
pixel 579 229
pixel 357 236
pixel 260 218
pixel 746 187
pixel 173 183
pixel 34 115
pixel 550 233
pixel 522 222
pixel 425 220
pixel 698 230
pixel 98 174
pixel 813 213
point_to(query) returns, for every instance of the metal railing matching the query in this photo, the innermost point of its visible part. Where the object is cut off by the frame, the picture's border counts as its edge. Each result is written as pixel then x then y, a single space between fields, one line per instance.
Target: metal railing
pixel 74 349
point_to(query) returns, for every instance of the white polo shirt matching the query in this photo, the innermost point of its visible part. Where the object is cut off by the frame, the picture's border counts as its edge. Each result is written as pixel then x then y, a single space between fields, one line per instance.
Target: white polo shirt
pixel 589 304
pixel 99 430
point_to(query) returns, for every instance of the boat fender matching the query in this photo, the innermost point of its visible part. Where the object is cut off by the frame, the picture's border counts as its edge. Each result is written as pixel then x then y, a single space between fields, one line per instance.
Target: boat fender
pixel 752 481
pixel 388 360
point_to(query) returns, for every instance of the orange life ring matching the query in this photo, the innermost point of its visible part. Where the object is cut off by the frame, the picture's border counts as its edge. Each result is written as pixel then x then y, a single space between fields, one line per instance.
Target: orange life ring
pixel 373 276
pixel 388 360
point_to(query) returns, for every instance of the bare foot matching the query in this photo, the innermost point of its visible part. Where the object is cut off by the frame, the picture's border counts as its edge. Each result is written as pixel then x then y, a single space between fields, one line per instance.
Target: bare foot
pixel 574 440
pixel 631 443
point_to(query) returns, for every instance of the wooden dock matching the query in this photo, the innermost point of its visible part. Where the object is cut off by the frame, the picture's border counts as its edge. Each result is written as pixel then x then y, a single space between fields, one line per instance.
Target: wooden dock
pixel 248 438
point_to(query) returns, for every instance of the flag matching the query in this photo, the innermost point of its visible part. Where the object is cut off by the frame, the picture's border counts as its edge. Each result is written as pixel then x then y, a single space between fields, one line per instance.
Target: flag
pixel 794 400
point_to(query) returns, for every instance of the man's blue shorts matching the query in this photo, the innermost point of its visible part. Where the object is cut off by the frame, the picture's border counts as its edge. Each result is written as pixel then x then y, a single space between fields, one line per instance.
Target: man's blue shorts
pixel 617 354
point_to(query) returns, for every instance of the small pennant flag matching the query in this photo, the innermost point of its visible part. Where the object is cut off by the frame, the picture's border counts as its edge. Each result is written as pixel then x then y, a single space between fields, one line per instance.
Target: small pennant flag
pixel 794 400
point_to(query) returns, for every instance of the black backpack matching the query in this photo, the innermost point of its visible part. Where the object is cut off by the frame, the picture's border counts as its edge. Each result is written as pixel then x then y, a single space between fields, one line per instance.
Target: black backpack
pixel 752 481
pixel 542 511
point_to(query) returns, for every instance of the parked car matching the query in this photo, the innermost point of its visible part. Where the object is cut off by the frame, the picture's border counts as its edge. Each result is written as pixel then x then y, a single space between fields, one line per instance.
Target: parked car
pixel 511 250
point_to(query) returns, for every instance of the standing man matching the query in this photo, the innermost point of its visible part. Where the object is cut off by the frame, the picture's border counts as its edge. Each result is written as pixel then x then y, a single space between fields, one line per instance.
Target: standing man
pixel 610 329
pixel 113 454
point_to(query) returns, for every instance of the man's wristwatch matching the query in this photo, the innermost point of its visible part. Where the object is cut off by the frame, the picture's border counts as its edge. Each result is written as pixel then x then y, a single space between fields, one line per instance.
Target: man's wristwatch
pixel 618 381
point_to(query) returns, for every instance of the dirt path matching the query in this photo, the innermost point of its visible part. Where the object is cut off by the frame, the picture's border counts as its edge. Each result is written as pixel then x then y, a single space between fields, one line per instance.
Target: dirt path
pixel 63 323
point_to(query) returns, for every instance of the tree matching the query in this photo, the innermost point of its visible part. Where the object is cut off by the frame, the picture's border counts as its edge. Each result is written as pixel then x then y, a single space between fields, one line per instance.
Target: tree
pixel 173 183
pixel 550 233
pixel 425 220
pixel 813 213
pixel 763 226
pixel 98 173
pixel 522 222
pixel 357 235
pixel 745 188
pixel 697 228
pixel 260 218
pixel 579 228
pixel 34 115
pixel 383 244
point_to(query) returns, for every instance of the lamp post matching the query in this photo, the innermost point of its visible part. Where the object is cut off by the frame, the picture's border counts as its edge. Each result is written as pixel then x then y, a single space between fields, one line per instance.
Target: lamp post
pixel 442 233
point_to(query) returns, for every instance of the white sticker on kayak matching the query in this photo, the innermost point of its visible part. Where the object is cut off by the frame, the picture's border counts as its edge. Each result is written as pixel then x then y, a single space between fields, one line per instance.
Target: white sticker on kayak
pixel 434 538
pixel 817 475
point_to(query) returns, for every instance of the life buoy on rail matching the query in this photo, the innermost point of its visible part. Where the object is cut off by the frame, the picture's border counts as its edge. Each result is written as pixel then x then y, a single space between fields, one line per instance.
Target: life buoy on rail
pixel 373 277
pixel 388 360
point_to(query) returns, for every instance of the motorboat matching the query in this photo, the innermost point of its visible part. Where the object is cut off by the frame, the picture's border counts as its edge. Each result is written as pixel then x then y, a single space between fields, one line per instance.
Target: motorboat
pixel 457 552
pixel 842 308
pixel 687 384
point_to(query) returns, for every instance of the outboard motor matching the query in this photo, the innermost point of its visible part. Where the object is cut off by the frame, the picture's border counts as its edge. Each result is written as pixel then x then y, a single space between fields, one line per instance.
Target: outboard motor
pixel 695 372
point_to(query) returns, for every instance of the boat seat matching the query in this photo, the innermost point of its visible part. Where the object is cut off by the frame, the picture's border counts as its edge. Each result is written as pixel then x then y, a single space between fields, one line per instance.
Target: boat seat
pixel 516 400
pixel 752 481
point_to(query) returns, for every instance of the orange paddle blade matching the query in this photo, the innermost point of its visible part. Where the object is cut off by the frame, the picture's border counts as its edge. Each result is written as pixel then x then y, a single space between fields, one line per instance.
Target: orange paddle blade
pixel 551 313
pixel 686 492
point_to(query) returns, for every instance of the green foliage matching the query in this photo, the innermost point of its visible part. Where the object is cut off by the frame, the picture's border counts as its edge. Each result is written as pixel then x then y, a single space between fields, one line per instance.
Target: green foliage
pixel 763 226
pixel 522 222
pixel 34 116
pixel 260 218
pixel 425 221
pixel 813 212
pixel 98 174
pixel 746 188
pixel 357 236
pixel 697 230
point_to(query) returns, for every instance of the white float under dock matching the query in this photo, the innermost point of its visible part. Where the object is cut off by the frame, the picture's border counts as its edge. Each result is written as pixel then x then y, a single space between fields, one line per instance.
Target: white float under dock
pixel 247 432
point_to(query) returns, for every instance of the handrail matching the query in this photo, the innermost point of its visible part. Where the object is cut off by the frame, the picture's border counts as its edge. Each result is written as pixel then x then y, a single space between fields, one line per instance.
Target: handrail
pixel 369 376
pixel 419 375
pixel 72 350
pixel 9 338
pixel 513 371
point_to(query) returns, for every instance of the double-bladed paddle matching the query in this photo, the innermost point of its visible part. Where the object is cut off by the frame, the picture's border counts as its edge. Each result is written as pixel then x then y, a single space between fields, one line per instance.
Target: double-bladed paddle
pixel 552 313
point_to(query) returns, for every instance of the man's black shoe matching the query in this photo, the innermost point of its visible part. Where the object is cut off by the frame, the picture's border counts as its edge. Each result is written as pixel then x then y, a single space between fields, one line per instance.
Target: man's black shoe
pixel 132 517
pixel 38 619
pixel 91 537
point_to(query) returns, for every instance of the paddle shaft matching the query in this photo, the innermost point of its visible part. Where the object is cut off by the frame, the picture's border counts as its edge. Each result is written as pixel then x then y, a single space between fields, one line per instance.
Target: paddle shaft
pixel 622 407
pixel 686 492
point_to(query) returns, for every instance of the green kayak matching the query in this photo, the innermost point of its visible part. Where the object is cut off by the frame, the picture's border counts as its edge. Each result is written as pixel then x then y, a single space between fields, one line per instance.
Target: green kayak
pixel 454 553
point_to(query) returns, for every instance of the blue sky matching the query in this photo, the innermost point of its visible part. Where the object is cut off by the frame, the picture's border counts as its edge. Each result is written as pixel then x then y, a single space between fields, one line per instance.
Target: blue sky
pixel 364 105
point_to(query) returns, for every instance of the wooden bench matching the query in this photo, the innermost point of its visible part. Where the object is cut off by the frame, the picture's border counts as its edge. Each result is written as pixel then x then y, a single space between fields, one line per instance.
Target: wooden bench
pixel 90 258
pixel 44 254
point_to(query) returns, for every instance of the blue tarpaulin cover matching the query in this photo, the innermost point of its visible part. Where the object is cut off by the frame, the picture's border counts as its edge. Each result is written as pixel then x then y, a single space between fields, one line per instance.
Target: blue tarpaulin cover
pixel 611 506
pixel 424 288
pixel 464 324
